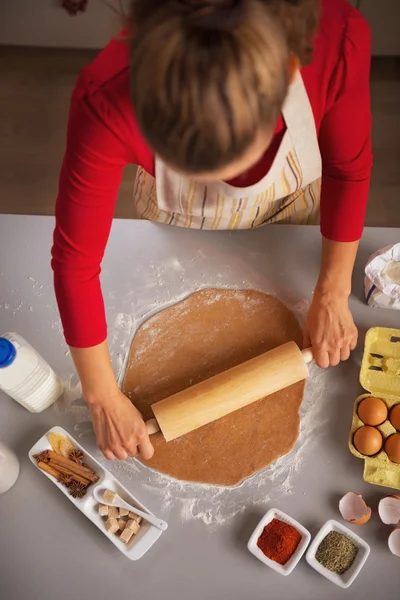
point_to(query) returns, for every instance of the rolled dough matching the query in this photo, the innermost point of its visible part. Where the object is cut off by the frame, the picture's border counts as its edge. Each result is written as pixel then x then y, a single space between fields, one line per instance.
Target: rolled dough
pixel 207 333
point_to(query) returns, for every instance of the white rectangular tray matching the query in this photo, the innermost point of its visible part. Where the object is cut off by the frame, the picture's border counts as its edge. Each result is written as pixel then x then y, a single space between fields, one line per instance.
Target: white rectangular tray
pixel 147 535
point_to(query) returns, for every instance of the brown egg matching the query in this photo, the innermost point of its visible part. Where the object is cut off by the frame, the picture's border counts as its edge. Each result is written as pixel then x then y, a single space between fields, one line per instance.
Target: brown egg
pixel 372 411
pixel 392 447
pixel 395 417
pixel 368 440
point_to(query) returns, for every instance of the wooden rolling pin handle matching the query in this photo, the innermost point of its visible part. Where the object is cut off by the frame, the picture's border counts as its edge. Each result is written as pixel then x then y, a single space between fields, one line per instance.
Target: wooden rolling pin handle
pixel 152 426
pixel 308 355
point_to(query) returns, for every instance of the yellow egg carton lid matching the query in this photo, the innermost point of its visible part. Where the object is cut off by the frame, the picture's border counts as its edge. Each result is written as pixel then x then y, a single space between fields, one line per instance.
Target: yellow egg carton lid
pixel 380 369
pixel 380 376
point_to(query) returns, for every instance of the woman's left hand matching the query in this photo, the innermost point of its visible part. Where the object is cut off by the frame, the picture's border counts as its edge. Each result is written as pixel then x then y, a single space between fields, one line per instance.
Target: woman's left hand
pixel 330 329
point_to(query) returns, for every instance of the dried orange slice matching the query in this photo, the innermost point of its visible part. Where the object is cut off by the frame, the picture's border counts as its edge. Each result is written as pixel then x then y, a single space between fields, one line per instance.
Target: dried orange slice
pixel 55 440
pixel 66 446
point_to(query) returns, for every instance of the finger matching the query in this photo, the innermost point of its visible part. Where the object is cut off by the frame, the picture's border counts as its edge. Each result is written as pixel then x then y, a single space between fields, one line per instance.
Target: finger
pixel 345 353
pixel 306 340
pixel 131 450
pixel 334 357
pixel 108 454
pixel 146 449
pixel 322 358
pixel 353 343
pixel 120 453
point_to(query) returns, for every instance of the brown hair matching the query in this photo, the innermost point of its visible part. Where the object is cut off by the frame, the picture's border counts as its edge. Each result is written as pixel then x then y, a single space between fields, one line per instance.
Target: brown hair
pixel 206 76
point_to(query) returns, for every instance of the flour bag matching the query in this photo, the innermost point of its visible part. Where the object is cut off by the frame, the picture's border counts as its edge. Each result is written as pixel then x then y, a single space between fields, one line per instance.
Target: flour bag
pixel 382 278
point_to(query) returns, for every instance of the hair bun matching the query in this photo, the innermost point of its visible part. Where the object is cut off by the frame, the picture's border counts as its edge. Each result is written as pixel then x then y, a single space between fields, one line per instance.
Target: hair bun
pixel 218 15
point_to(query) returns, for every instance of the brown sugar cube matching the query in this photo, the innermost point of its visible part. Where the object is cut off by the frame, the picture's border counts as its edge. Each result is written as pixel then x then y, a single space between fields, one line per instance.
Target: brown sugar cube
pixel 133 526
pixel 109 496
pixel 113 512
pixel 123 512
pixel 103 510
pixel 135 517
pixel 122 524
pixel 126 535
pixel 112 525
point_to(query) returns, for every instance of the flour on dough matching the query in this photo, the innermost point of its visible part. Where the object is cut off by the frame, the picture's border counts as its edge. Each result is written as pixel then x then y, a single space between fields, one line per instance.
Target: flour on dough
pixel 209 332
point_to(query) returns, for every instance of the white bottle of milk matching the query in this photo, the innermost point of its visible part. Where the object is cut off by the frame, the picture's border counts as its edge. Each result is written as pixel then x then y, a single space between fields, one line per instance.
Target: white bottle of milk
pixel 25 376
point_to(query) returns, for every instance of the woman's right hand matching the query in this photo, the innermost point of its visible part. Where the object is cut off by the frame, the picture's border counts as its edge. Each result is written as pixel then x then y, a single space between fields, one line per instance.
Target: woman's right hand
pixel 120 429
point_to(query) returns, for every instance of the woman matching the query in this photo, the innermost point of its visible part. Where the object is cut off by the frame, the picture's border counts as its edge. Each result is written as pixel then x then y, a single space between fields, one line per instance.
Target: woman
pixel 235 112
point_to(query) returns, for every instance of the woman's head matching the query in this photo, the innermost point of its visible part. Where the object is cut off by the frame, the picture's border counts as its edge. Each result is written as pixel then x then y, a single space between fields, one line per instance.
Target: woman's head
pixel 209 78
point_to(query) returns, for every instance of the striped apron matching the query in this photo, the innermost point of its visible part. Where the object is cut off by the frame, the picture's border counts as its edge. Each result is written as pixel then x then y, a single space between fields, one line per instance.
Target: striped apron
pixel 289 192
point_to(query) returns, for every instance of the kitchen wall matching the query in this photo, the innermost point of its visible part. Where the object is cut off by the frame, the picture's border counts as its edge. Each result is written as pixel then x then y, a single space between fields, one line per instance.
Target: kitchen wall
pixel 45 23
pixel 384 19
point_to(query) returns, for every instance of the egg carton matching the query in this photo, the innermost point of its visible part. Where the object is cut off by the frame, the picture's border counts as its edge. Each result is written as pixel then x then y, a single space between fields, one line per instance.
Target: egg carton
pixel 380 375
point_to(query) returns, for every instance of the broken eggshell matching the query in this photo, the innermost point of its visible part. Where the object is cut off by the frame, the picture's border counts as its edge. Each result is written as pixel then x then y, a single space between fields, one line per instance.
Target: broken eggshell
pixel 389 510
pixel 394 542
pixel 354 510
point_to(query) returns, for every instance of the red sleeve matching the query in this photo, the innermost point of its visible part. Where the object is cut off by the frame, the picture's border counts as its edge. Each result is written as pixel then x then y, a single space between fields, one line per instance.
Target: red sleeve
pixel 90 177
pixel 345 139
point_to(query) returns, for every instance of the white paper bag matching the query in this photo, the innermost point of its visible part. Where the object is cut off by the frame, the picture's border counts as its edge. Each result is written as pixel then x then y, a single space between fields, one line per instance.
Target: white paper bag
pixel 382 278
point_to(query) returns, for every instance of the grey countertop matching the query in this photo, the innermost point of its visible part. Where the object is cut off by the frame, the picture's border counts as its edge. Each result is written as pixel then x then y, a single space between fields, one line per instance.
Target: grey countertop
pixel 49 550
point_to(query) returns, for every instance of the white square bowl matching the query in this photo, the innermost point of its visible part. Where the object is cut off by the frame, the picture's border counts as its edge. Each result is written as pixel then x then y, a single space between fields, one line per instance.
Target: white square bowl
pixel 345 580
pixel 148 533
pixel 286 569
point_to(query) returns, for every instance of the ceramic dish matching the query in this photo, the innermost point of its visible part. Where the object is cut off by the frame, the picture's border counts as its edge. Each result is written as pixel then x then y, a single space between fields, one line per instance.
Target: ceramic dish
pixel 345 580
pixel 287 568
pixel 147 535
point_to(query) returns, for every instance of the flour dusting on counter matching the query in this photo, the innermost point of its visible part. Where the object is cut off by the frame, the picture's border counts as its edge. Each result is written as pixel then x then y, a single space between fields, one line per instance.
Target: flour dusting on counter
pixel 216 505
pixel 209 504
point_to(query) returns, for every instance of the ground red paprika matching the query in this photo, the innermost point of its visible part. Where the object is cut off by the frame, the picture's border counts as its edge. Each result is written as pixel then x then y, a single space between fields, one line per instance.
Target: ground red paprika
pixel 279 541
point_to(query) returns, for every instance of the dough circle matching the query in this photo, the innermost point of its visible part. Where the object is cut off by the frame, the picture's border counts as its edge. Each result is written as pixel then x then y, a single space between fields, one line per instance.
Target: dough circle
pixel 209 332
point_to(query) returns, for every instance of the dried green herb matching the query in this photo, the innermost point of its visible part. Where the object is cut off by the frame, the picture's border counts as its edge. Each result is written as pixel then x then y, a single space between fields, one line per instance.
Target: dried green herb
pixel 336 552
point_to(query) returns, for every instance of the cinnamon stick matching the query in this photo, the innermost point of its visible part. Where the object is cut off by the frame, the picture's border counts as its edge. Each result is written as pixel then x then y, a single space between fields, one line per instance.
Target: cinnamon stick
pixel 86 472
pixel 68 471
pixel 64 459
pixel 50 470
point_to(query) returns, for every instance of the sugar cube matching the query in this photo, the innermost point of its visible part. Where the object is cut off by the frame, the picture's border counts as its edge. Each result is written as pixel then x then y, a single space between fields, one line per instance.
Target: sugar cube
pixel 103 510
pixel 112 525
pixel 122 524
pixel 113 512
pixel 109 496
pixel 135 517
pixel 133 526
pixel 126 535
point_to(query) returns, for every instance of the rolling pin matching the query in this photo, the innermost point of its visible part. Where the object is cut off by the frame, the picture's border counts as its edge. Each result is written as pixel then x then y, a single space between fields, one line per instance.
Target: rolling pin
pixel 230 390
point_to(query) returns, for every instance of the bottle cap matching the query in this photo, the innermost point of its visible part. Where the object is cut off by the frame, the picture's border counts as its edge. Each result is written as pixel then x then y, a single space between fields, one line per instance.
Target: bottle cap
pixel 7 353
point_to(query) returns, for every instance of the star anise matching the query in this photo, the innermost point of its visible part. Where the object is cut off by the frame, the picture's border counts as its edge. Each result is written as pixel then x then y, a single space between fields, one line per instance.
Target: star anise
pixel 78 490
pixel 42 457
pixel 66 479
pixel 76 455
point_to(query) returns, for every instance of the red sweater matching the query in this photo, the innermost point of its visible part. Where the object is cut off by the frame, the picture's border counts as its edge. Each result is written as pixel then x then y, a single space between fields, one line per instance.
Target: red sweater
pixel 103 137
